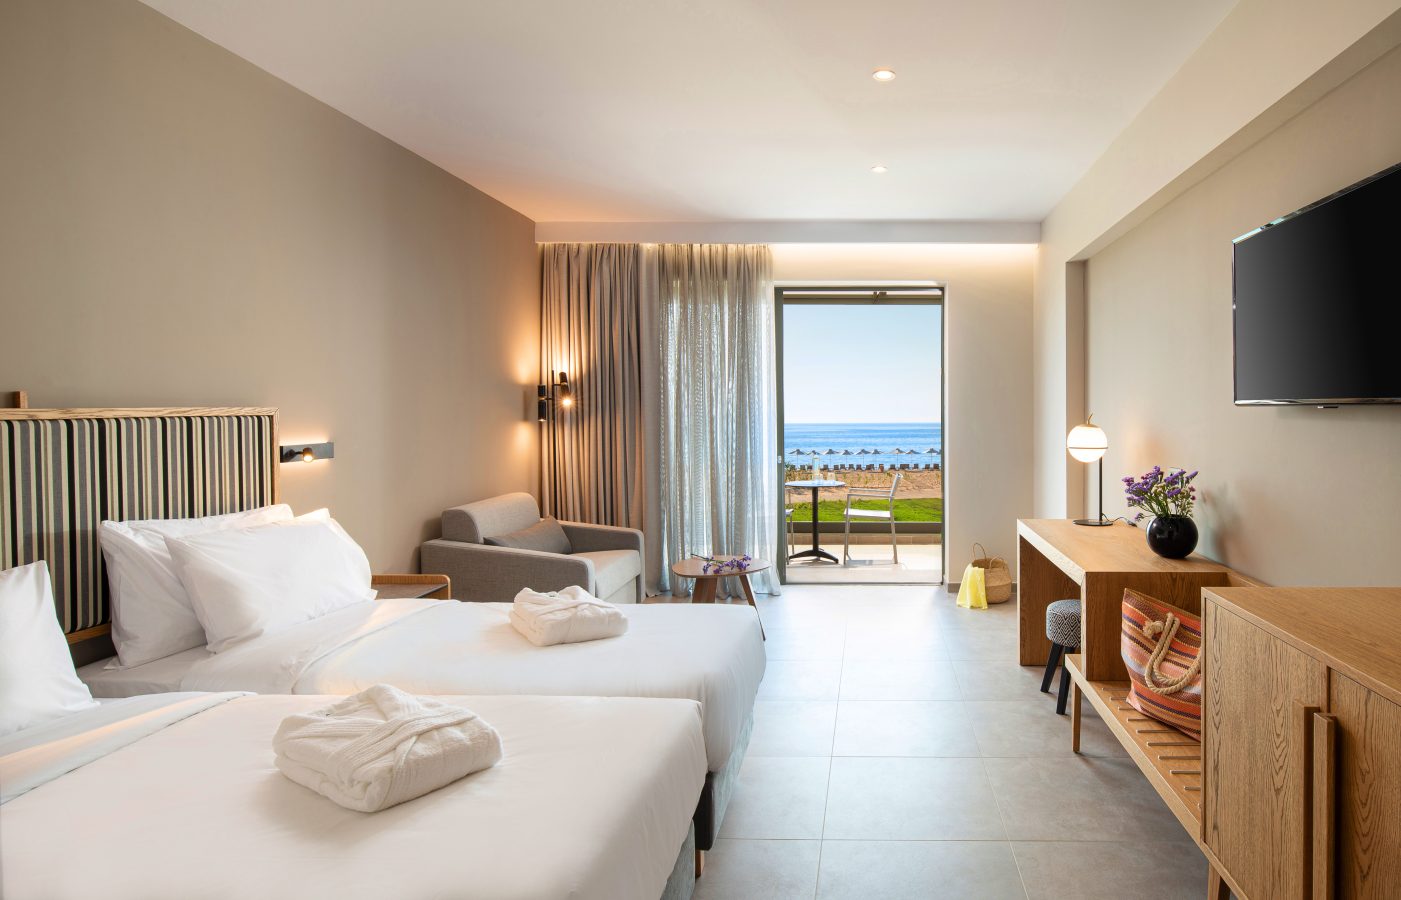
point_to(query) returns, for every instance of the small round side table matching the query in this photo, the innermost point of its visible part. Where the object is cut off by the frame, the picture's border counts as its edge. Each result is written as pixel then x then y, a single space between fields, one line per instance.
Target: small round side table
pixel 707 584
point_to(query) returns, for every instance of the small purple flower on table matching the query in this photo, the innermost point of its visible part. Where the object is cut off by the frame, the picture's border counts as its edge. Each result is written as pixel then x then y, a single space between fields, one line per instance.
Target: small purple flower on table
pixel 732 565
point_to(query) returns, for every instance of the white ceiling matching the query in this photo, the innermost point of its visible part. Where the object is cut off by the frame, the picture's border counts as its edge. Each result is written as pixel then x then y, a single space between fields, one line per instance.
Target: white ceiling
pixel 727 110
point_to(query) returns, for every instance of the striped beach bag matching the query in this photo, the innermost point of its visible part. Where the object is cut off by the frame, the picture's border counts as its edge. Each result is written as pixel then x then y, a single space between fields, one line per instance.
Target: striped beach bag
pixel 1162 648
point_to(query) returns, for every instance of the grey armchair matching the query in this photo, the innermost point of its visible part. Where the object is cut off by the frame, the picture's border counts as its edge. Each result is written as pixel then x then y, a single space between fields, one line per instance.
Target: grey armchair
pixel 604 560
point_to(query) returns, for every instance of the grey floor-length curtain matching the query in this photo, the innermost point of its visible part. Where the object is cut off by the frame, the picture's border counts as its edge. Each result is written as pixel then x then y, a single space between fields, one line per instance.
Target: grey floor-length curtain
pixel 590 327
pixel 715 423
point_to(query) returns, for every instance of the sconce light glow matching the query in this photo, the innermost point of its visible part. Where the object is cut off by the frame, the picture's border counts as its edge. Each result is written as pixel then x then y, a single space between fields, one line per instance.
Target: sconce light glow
pixel 883 75
pixel 879 170
pixel 306 452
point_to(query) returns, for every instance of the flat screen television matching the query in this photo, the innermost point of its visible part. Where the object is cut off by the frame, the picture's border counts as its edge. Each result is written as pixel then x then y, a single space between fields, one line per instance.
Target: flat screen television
pixel 1317 301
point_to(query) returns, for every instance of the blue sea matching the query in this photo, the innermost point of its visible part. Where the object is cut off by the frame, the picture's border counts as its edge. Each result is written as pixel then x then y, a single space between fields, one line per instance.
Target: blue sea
pixel 847 441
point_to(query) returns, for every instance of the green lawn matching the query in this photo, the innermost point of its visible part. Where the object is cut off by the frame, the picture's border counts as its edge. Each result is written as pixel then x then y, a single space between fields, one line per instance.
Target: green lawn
pixel 925 509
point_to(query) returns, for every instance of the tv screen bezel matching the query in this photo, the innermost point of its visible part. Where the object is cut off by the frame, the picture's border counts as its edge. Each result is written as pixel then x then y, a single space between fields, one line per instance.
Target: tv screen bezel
pixel 1235 242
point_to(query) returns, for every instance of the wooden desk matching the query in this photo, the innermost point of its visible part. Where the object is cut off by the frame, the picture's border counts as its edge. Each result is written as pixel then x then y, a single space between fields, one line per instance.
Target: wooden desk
pixel 1057 559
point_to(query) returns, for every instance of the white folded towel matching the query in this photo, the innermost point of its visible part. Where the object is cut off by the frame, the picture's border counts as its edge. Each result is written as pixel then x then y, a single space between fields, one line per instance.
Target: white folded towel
pixel 565 617
pixel 382 746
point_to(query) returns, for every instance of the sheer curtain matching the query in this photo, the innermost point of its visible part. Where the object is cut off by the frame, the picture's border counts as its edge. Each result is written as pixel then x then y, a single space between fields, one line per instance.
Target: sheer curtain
pixel 715 429
pixel 591 459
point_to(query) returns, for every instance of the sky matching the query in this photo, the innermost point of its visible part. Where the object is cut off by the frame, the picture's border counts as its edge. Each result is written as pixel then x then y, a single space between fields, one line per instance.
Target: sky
pixel 863 363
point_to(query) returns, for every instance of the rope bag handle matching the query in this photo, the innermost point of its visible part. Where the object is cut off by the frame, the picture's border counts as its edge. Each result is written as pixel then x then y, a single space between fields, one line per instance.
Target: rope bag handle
pixel 1165 632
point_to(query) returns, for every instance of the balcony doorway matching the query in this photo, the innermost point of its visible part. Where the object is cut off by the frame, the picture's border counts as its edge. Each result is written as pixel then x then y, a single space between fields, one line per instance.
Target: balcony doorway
pixel 860 424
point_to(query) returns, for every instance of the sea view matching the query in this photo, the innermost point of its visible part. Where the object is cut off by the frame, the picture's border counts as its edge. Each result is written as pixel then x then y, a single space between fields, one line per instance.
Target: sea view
pixel 865 442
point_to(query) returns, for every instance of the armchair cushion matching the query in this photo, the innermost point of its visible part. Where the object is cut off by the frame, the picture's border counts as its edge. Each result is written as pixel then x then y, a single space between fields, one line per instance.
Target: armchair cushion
pixel 612 569
pixel 586 538
pixel 472 523
pixel 545 536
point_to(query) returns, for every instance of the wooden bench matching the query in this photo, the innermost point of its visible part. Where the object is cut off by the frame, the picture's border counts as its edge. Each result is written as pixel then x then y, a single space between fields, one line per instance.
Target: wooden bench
pixel 1171 761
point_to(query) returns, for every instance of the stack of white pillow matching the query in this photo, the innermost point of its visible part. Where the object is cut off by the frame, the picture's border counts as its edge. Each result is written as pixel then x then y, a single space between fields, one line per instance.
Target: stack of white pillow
pixel 218 581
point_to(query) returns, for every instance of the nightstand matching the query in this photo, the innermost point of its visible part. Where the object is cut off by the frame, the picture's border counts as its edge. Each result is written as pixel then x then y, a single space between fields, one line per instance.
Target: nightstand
pixel 409 587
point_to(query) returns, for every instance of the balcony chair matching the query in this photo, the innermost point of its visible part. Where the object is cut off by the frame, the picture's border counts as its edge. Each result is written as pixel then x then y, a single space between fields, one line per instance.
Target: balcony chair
pixel 877 515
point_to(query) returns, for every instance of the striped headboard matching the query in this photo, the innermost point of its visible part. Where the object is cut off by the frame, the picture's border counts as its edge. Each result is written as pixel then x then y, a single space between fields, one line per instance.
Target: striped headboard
pixel 64 471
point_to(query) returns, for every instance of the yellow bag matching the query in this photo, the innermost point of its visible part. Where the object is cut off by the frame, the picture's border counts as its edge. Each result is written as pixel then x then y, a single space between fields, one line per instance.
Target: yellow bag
pixel 973 590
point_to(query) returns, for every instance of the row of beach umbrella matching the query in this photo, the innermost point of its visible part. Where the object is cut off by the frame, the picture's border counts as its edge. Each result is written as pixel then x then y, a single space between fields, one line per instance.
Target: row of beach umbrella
pixel 896 452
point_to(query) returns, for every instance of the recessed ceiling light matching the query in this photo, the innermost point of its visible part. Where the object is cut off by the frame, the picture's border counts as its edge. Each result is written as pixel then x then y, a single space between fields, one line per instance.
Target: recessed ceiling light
pixel 883 74
pixel 879 170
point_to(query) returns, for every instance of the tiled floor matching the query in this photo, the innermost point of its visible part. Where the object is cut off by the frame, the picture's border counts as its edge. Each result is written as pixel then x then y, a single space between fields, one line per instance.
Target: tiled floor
pixel 900 752
pixel 920 563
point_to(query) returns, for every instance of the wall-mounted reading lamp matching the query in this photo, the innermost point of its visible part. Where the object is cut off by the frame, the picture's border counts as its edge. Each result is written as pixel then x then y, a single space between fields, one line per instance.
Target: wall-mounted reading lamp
pixel 308 452
pixel 557 391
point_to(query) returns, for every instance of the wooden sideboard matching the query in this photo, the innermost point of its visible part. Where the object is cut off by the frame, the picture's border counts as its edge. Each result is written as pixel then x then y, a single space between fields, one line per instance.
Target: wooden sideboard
pixel 1301 744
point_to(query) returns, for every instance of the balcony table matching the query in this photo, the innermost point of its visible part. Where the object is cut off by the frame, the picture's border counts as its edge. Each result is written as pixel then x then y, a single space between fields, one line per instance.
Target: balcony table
pixel 815 485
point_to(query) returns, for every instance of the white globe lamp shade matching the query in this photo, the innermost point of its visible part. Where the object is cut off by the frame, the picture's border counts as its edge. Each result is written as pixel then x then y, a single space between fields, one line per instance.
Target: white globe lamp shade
pixel 1087 442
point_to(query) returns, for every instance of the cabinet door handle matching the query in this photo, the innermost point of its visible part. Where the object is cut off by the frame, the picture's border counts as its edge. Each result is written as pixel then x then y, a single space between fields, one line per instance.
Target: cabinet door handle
pixel 1324 785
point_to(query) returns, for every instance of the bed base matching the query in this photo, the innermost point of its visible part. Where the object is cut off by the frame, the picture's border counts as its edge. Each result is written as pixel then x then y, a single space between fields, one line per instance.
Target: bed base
pixel 719 787
pixel 682 882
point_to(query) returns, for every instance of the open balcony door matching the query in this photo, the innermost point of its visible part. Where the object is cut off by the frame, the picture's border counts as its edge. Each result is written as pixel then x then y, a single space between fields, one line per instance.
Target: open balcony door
pixel 825 330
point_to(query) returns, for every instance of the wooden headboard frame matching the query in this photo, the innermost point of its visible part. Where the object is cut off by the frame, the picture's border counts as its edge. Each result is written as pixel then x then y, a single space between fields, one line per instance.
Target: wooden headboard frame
pixel 72 472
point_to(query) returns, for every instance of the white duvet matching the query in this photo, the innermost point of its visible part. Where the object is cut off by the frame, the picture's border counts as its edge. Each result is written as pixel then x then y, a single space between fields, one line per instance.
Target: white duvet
pixel 713 654
pixel 180 798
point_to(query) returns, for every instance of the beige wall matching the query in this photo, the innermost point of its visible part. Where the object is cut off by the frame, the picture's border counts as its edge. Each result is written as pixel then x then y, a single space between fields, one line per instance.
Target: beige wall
pixel 988 401
pixel 1266 61
pixel 1291 495
pixel 179 227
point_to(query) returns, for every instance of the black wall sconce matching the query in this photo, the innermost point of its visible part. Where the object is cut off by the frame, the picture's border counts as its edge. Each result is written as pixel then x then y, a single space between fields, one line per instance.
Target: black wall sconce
pixel 307 452
pixel 556 392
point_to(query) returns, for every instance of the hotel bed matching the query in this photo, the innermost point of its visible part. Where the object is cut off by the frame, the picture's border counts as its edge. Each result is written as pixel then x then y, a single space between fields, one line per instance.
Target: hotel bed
pixel 711 654
pixel 70 470
pixel 177 796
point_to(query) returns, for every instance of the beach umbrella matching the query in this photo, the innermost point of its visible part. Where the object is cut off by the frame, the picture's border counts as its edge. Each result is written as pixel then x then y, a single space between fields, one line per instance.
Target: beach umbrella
pixel 797 452
pixel 846 453
pixel 875 452
pixel 897 451
pixel 829 453
pixel 931 451
pixel 862 452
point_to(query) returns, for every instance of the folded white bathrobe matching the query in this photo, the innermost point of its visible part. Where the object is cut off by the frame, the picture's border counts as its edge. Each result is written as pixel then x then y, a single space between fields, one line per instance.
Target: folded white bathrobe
pixel 382 747
pixel 565 617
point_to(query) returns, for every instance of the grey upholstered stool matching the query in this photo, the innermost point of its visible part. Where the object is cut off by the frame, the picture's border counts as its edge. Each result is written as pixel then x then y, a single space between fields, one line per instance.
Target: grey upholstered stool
pixel 1063 630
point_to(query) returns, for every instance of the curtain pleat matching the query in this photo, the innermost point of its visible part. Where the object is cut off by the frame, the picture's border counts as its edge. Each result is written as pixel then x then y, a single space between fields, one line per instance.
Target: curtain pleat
pixel 717 422
pixel 591 453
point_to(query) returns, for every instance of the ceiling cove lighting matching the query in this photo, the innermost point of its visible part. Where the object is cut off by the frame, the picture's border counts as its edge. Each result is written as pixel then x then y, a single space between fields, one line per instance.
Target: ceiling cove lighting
pixel 883 75
pixel 879 170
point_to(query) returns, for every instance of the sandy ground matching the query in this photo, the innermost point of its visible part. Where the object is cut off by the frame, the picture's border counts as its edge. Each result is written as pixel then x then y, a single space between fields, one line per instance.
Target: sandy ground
pixel 913 485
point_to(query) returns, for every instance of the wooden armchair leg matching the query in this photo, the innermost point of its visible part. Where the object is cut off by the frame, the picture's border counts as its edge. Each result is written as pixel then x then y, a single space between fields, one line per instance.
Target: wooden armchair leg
pixel 700 863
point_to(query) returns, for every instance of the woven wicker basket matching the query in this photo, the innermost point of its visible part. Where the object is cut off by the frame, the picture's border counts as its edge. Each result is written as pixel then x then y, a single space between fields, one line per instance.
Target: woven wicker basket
pixel 997 573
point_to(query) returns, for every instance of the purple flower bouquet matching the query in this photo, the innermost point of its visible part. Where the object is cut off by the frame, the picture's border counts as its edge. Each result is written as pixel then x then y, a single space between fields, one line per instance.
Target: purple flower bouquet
pixel 1161 494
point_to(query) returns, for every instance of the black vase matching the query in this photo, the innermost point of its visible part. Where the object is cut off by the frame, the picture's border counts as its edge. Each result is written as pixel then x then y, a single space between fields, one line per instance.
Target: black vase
pixel 1172 537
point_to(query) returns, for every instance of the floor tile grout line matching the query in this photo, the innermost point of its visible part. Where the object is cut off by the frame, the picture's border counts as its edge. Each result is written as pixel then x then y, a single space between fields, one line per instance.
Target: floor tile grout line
pixel 831 755
pixel 1006 833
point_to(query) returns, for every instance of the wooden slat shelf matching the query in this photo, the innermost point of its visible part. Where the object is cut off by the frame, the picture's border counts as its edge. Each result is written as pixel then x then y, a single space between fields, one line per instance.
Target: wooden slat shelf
pixel 1171 761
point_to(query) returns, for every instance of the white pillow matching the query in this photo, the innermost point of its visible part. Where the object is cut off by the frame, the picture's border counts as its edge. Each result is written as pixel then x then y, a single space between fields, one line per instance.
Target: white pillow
pixel 151 612
pixel 248 582
pixel 37 678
